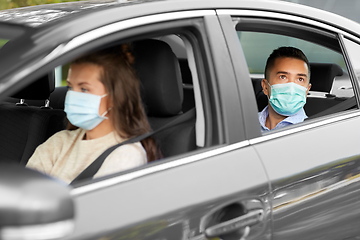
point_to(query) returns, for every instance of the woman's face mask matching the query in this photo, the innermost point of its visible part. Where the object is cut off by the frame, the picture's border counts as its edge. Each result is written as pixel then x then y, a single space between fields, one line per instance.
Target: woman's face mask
pixel 287 98
pixel 82 109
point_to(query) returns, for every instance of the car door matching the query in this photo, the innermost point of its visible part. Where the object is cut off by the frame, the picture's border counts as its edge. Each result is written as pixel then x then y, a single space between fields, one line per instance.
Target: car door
pixel 219 190
pixel 313 167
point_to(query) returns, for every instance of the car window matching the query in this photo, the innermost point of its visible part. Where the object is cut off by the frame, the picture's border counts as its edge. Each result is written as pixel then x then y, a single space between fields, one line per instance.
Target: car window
pixel 330 79
pixel 187 135
pixel 258 46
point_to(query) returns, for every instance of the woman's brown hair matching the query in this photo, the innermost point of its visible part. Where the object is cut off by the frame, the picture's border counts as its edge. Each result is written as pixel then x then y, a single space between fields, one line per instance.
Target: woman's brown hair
pixel 123 88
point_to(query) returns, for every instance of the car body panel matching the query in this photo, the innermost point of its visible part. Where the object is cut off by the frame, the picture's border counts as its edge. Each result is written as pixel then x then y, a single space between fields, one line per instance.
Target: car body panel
pixel 178 195
pixel 308 181
pixel 315 195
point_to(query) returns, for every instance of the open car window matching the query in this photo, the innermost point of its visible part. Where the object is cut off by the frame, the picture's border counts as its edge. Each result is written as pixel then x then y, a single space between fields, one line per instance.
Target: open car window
pixel 166 95
pixel 258 46
pixel 332 88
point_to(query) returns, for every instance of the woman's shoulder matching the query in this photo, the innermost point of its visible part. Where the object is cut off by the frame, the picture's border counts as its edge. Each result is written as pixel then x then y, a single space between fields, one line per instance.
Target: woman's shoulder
pixel 128 154
pixel 64 136
pixel 123 158
pixel 131 150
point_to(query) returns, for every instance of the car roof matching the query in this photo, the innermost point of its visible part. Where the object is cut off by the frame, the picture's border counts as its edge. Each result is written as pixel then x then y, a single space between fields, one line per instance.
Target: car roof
pixel 36 16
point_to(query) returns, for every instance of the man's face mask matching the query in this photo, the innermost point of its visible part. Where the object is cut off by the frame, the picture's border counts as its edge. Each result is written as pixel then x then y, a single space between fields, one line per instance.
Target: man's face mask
pixel 287 98
pixel 82 109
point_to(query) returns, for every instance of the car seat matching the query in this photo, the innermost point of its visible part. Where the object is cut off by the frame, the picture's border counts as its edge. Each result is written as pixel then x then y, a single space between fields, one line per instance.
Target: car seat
pixel 57 97
pixel 162 94
pixel 322 76
pixel 188 89
pixel 24 127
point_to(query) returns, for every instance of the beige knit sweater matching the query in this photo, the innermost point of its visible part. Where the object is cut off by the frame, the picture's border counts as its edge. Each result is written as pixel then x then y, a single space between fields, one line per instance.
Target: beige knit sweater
pixel 65 155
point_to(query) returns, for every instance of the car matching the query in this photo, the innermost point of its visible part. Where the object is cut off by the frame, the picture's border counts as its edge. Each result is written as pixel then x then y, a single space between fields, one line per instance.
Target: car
pixel 221 177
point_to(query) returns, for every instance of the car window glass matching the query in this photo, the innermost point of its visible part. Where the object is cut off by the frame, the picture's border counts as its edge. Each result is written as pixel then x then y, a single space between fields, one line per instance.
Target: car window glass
pixel 329 87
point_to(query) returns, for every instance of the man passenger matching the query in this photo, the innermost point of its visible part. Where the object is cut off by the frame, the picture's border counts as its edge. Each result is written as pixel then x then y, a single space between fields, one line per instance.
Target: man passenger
pixel 286 84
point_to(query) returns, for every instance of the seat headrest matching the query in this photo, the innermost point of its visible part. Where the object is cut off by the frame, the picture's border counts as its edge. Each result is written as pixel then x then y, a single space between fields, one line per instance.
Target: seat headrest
pixel 39 89
pixel 322 76
pixel 159 72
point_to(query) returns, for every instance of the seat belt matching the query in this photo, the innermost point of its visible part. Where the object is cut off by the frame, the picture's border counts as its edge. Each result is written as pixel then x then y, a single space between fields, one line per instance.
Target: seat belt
pixel 347 104
pixel 92 169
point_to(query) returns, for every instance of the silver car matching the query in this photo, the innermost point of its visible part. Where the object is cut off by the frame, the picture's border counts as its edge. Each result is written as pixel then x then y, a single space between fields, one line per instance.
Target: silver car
pixel 220 178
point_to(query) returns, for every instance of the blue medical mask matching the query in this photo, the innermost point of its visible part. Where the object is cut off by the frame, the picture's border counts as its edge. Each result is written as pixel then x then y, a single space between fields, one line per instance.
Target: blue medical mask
pixel 287 98
pixel 82 109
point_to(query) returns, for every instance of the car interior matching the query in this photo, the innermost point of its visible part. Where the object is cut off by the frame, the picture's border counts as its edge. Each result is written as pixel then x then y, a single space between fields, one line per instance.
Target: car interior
pixel 24 127
pixel 35 113
pixel 31 116
pixel 331 89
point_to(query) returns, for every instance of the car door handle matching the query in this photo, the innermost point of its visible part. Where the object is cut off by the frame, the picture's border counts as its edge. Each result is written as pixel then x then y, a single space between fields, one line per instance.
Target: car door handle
pixel 244 221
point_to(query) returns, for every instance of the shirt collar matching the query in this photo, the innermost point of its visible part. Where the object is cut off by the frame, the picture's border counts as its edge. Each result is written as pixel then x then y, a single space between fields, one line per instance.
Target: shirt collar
pixel 296 118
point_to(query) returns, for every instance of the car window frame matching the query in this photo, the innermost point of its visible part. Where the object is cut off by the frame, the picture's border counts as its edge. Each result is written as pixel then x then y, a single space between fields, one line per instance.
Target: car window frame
pixel 203 59
pixel 349 62
pixel 318 27
pixel 158 29
pixel 64 53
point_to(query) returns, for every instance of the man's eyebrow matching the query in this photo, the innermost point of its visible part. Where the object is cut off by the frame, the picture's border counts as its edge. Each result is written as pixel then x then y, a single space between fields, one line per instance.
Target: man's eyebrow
pixel 282 72
pixel 299 74
pixel 302 74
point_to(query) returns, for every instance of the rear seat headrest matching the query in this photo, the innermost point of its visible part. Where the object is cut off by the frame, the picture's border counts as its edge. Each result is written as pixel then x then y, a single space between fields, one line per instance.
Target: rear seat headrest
pixel 322 76
pixel 159 73
pixel 39 89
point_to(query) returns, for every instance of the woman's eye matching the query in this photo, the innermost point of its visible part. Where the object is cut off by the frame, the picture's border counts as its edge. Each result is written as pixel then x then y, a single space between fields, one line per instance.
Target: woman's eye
pixel 69 88
pixel 84 90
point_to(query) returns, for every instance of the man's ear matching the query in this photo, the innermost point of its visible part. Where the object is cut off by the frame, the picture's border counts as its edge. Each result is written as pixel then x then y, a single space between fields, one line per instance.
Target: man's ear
pixel 308 89
pixel 265 86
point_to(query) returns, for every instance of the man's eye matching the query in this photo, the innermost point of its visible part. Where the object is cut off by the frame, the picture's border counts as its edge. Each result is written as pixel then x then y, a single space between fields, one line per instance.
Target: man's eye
pixel 282 77
pixel 69 88
pixel 301 79
pixel 84 90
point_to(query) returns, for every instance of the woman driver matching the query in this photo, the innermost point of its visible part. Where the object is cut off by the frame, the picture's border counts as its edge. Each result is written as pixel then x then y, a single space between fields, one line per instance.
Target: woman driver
pixel 103 106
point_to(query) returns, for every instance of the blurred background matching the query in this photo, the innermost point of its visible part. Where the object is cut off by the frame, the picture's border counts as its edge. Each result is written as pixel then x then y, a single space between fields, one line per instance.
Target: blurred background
pixel 346 8
pixel 7 4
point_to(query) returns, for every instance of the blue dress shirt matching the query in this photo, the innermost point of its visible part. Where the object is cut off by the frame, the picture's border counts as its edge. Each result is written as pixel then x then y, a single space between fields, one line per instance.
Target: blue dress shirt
pixel 298 117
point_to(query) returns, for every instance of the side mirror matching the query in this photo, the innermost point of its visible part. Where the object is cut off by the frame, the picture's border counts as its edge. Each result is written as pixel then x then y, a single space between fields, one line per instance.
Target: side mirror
pixel 33 205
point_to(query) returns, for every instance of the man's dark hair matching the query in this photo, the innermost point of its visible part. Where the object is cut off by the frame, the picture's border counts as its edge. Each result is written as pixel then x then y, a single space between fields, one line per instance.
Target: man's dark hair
pixel 281 52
